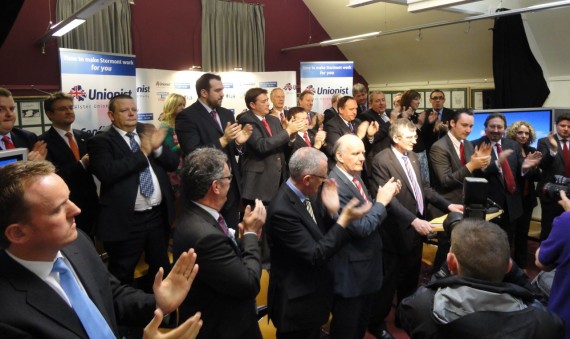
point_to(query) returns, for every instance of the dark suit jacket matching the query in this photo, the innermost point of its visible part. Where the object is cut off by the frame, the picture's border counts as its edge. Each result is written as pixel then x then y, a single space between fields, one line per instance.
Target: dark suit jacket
pixel 382 137
pixel 78 179
pixel 195 128
pixel 263 165
pixel 22 138
pixel 447 172
pixel 329 113
pixel 301 279
pixel 300 143
pixel 550 166
pixel 118 167
pixel 529 200
pixel 358 265
pixel 335 129
pixel 497 189
pixel 31 308
pixel 228 280
pixel 397 234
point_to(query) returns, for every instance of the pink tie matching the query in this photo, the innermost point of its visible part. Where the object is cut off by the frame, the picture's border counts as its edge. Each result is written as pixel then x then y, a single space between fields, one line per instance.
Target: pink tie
pixel 359 188
pixel 264 122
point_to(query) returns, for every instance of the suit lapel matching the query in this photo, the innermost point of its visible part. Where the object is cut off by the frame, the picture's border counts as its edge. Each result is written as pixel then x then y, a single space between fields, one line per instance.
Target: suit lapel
pixel 40 295
pixel 210 220
pixel 339 176
pixel 204 114
pixel 401 171
pixel 59 146
pixel 456 161
pixel 118 140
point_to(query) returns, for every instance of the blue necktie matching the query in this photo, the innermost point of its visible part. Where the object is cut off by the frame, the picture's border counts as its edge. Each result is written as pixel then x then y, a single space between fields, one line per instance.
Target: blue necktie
pixel 147 188
pixel 89 315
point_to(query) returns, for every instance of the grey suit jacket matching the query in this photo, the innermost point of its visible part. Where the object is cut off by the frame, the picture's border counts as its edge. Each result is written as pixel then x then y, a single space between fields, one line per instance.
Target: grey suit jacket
pixel 31 308
pixel 398 235
pixel 447 172
pixel 263 165
pixel 358 265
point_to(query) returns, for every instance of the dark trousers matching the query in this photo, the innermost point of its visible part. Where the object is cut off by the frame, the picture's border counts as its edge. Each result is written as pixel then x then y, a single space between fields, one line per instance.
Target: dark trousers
pixel 149 235
pixel 350 316
pixel 550 210
pixel 522 226
pixel 401 275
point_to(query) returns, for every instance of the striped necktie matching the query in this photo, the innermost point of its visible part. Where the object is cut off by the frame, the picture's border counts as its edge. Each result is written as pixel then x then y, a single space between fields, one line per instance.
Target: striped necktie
pixel 415 185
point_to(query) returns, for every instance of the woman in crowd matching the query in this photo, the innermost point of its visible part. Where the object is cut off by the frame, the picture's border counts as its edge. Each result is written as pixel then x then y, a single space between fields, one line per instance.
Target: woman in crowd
pixel 173 105
pixel 523 133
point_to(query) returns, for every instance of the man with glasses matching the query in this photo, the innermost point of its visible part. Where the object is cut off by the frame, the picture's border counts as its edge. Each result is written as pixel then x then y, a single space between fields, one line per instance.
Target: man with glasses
pixel 304 232
pixel 67 150
pixel 230 268
pixel 406 224
pixel 444 114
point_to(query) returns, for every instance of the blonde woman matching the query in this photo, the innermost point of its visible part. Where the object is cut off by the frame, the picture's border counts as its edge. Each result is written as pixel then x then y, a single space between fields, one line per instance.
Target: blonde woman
pixel 173 105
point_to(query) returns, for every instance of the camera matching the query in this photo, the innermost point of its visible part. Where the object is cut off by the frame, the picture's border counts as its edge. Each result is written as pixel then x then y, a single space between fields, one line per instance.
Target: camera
pixel 552 189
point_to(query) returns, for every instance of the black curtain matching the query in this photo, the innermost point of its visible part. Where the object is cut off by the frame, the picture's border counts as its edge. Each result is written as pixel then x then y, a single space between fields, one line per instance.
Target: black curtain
pixel 519 81
pixel 8 15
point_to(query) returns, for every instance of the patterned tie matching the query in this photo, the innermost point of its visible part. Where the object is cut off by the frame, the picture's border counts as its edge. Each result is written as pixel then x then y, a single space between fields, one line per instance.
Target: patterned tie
pixel 307 140
pixel 507 173
pixel 415 185
pixel 462 154
pixel 264 122
pixel 351 127
pixel 89 315
pixel 310 208
pixel 7 142
pixel 145 178
pixel 566 155
pixel 214 115
pixel 359 188
pixel 73 145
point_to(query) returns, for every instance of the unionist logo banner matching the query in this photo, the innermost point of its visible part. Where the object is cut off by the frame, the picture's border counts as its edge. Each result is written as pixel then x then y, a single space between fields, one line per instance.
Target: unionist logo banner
pixel 325 79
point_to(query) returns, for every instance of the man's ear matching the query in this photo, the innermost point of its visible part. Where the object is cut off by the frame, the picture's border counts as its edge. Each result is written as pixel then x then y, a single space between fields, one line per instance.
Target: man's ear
pixel 509 266
pixel 452 263
pixel 110 115
pixel 15 233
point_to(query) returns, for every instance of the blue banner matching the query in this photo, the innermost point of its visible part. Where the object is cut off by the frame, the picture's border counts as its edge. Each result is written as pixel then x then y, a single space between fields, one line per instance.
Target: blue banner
pixel 327 69
pixel 73 62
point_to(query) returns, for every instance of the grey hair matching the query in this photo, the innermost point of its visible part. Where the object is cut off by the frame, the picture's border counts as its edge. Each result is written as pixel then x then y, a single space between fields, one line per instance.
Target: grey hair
pixel 340 144
pixel 399 126
pixel 306 160
pixel 200 169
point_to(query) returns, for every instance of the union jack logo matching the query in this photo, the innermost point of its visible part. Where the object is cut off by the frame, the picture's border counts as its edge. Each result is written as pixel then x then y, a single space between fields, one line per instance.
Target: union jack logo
pixel 77 92
pixel 288 86
pixel 310 88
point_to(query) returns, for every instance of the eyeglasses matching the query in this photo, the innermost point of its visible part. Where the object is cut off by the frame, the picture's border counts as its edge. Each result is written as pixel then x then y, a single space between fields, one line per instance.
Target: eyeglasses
pixel 229 177
pixel 318 176
pixel 438 98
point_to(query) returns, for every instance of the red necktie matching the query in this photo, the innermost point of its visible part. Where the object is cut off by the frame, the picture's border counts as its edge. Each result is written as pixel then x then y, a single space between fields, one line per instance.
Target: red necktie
pixel 264 122
pixel 7 142
pixel 462 154
pixel 307 140
pixel 507 173
pixel 73 145
pixel 566 155
pixel 359 188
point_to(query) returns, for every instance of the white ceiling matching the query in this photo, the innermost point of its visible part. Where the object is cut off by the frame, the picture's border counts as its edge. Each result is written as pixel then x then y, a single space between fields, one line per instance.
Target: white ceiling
pixel 459 52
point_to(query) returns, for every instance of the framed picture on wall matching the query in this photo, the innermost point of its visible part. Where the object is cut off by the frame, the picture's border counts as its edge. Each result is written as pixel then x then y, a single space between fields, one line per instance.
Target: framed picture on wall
pixel 31 115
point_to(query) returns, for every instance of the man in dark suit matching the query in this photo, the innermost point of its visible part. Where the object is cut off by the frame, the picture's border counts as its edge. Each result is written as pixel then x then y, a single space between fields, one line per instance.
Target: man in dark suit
pixel 377 112
pixel 38 233
pixel 305 137
pixel 452 158
pixel 505 169
pixel 437 99
pixel 263 164
pixel 406 225
pixel 304 236
pixel 13 137
pixel 136 202
pixel 278 109
pixel 67 150
pixel 358 265
pixel 360 94
pixel 207 124
pixel 314 119
pixel 332 111
pixel 230 270
pixel 555 161
pixel 347 123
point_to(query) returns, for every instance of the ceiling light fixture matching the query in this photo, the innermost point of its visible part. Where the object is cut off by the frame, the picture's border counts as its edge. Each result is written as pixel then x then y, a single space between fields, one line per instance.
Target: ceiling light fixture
pixel 354 38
